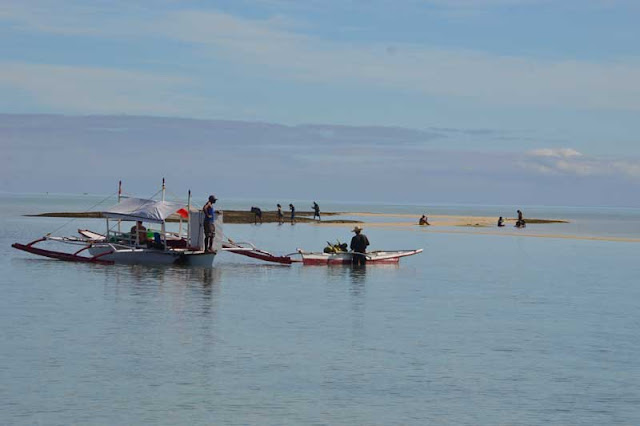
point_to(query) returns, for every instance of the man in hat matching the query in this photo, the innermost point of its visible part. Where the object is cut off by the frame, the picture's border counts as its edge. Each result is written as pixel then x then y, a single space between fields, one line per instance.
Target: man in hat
pixel 209 227
pixel 359 244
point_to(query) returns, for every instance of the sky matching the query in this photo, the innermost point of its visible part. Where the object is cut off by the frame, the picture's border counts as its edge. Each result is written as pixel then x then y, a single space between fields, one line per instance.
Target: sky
pixel 466 101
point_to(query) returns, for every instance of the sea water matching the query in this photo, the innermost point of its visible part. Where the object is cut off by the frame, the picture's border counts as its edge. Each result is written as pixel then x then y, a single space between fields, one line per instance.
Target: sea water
pixel 478 329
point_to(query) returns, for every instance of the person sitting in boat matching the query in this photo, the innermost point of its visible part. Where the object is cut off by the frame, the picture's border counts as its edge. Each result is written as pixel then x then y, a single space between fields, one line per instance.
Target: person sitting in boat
pixel 257 211
pixel 359 244
pixel 424 220
pixel 141 232
pixel 500 221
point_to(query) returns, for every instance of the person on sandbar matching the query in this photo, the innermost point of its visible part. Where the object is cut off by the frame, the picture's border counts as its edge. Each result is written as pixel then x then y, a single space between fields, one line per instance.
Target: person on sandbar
pixel 257 211
pixel 500 222
pixel 280 215
pixel 359 244
pixel 293 213
pixel 424 220
pixel 316 210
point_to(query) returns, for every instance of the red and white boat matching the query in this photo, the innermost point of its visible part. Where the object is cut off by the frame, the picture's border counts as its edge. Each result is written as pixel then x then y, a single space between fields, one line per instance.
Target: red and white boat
pixel 346 258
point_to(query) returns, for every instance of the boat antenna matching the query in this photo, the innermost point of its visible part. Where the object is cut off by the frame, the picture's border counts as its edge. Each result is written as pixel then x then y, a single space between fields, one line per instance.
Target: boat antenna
pixel 162 189
pixel 119 197
pixel 189 219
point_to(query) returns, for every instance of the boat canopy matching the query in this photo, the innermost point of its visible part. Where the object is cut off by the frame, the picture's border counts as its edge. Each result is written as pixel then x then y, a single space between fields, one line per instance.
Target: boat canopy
pixel 141 209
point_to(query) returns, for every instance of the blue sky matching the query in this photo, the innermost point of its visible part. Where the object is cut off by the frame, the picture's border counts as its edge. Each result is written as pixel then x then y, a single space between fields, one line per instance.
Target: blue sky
pixel 497 80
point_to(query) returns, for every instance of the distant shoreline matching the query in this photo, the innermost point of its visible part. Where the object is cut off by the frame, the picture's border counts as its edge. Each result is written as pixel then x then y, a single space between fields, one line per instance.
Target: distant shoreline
pixel 230 216
pixel 247 217
pixel 440 224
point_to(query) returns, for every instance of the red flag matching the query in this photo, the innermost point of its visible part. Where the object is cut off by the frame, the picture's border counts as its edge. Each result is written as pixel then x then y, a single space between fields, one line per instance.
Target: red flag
pixel 183 212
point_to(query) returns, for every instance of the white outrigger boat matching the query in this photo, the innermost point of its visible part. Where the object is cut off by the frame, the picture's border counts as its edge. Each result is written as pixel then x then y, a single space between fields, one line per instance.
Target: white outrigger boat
pixel 161 248
pixel 346 258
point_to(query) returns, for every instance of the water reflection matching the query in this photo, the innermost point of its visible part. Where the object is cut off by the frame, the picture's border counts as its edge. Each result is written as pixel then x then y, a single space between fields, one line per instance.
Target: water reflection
pixel 358 273
pixel 178 282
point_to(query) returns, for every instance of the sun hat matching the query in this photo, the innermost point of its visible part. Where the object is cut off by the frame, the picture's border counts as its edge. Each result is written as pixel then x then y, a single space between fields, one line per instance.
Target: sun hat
pixel 356 229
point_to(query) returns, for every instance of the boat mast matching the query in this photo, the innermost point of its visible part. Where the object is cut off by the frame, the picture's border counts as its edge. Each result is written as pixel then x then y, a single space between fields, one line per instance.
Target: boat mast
pixel 164 231
pixel 119 197
pixel 189 219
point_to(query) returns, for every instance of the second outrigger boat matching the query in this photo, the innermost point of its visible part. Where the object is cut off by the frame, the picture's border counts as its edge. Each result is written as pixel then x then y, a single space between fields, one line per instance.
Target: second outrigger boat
pixel 346 258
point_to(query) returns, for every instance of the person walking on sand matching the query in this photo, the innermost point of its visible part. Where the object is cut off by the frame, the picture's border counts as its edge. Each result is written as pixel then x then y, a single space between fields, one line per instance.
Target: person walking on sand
pixel 280 215
pixel 359 244
pixel 209 226
pixel 316 210
pixel 520 222
pixel 293 213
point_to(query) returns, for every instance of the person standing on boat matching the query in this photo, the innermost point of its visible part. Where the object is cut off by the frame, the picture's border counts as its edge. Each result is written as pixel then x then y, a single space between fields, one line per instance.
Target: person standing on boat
pixel 293 213
pixel 316 210
pixel 359 244
pixel 209 226
pixel 280 215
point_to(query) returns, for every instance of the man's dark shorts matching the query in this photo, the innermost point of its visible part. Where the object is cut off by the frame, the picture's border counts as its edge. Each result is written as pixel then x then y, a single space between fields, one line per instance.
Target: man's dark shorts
pixel 209 228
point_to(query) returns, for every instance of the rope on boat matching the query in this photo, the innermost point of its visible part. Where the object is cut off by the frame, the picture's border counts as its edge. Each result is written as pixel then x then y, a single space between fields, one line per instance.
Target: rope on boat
pixel 76 218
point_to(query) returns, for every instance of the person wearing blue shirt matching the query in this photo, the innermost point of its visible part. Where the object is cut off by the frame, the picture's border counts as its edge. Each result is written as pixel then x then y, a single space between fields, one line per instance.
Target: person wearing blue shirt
pixel 209 226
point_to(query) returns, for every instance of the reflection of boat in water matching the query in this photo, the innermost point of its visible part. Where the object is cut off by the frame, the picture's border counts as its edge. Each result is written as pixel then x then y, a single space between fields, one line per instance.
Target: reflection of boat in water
pixel 141 246
pixel 346 258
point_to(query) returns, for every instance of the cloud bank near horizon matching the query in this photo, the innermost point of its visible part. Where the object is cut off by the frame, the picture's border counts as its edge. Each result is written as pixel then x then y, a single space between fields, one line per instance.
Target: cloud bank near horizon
pixel 253 159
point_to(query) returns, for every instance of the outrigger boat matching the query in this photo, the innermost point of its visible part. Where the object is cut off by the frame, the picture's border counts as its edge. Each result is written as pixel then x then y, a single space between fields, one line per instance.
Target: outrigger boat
pixel 162 246
pixel 346 258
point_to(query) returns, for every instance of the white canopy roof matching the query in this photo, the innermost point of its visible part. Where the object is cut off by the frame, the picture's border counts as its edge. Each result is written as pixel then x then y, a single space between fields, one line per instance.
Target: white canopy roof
pixel 141 209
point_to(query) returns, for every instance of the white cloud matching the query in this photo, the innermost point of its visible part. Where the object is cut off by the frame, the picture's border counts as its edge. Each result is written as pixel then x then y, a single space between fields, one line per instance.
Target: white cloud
pixel 555 152
pixel 569 162
pixel 276 49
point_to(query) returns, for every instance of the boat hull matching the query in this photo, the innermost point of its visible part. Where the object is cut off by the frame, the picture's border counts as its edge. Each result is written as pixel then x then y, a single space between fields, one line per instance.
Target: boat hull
pixel 377 257
pixel 141 256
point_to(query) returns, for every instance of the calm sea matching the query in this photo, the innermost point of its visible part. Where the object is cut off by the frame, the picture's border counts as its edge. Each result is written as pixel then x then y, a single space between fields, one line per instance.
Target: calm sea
pixel 478 330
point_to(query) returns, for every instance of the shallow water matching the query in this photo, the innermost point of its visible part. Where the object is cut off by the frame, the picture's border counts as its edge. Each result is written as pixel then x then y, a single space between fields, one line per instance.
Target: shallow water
pixel 479 329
